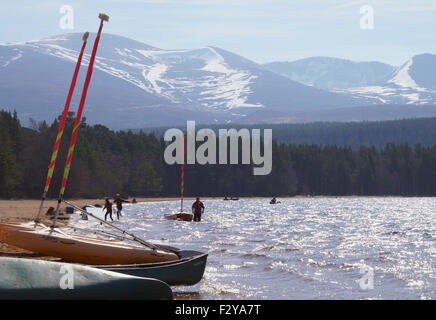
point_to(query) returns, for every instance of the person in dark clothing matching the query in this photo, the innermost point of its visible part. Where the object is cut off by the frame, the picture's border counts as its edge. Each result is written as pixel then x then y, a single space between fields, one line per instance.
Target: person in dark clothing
pixel 50 211
pixel 108 207
pixel 197 209
pixel 119 202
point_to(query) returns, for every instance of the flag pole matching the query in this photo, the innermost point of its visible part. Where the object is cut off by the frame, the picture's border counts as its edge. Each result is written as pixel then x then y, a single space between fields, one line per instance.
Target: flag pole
pixel 61 128
pixel 102 17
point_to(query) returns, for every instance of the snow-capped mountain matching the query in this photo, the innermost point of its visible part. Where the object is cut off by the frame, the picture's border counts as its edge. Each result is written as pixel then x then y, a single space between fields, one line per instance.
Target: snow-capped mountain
pixel 412 83
pixel 376 83
pixel 333 73
pixel 137 85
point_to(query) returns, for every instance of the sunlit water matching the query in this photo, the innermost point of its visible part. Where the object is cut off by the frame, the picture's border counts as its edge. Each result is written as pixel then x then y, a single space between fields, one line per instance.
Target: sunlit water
pixel 301 248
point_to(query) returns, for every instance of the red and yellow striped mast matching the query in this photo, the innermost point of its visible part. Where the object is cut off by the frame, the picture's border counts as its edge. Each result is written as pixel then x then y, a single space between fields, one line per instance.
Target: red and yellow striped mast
pixel 102 18
pixel 52 164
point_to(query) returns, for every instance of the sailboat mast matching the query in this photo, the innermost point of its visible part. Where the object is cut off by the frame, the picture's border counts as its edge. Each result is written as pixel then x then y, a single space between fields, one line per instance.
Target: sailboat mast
pixel 61 127
pixel 102 18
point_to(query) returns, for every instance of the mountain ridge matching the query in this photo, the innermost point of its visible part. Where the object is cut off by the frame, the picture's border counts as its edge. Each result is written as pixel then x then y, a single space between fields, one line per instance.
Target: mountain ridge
pixel 137 85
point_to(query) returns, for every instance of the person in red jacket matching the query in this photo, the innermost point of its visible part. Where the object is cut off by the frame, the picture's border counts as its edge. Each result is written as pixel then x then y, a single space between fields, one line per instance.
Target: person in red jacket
pixel 108 207
pixel 119 203
pixel 197 209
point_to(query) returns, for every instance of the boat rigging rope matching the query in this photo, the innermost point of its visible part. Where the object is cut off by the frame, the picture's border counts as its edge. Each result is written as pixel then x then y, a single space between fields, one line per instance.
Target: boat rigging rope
pixel 135 238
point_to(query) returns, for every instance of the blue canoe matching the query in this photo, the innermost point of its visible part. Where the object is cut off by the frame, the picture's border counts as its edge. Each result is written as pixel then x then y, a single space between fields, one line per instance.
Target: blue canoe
pixel 27 279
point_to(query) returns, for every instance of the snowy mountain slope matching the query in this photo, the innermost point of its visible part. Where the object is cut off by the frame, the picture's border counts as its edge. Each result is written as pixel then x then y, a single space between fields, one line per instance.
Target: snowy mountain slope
pixel 412 83
pixel 37 83
pixel 332 73
pixel 131 78
pixel 137 85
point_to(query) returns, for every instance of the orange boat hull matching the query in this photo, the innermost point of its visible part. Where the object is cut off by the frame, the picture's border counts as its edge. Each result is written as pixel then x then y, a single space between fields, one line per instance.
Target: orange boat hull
pixel 79 249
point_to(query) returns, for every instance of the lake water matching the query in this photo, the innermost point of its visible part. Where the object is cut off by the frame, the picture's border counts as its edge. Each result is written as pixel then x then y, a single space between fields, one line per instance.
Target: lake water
pixel 301 248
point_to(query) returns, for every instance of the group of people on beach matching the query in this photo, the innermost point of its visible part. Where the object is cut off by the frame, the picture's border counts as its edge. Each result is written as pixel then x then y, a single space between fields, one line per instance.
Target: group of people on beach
pixel 197 207
pixel 108 206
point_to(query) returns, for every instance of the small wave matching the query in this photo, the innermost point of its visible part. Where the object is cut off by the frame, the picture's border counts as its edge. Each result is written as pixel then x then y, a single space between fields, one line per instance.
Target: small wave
pixel 395 233
pixel 247 264
pixel 254 255
pixel 383 256
pixel 280 267
pixel 214 288
pixel 416 283
pixel 263 248
pixel 187 296
pixel 231 266
pixel 427 235
pixel 321 263
pixel 274 248
pixel 219 250
pixel 224 243
pixel 284 249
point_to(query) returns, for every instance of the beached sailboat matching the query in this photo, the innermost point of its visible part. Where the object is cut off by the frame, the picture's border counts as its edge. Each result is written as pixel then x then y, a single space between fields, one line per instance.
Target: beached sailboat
pixel 184 216
pixel 187 270
pixel 81 249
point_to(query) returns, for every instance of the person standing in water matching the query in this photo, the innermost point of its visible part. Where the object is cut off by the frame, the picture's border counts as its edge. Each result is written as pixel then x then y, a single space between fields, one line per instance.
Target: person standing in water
pixel 197 209
pixel 119 202
pixel 108 207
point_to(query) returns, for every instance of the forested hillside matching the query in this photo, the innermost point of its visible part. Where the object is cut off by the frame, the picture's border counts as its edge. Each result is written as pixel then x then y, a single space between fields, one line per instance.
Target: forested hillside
pixel 108 162
pixel 351 134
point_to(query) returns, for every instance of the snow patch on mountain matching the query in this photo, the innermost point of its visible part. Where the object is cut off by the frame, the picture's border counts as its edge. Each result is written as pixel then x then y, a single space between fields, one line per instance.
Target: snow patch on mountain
pixel 392 94
pixel 155 74
pixel 217 64
pixel 14 58
pixel 214 84
pixel 403 78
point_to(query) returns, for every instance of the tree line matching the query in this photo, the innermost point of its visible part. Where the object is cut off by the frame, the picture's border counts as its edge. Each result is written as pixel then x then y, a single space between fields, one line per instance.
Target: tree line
pixel 131 163
pixel 351 134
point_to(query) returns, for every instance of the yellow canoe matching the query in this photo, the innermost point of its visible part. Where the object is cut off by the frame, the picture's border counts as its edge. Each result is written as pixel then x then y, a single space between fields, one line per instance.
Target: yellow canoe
pixel 184 216
pixel 78 249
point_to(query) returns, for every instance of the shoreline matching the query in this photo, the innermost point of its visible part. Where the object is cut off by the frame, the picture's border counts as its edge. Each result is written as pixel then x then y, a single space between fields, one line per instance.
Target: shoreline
pixel 27 209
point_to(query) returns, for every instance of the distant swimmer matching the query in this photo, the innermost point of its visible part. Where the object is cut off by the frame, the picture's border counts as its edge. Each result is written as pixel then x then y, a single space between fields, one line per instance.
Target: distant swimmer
pixel 108 207
pixel 274 201
pixel 119 202
pixel 197 209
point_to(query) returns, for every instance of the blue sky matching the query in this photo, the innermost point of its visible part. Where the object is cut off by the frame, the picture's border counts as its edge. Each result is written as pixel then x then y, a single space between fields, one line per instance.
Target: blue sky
pixel 261 30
